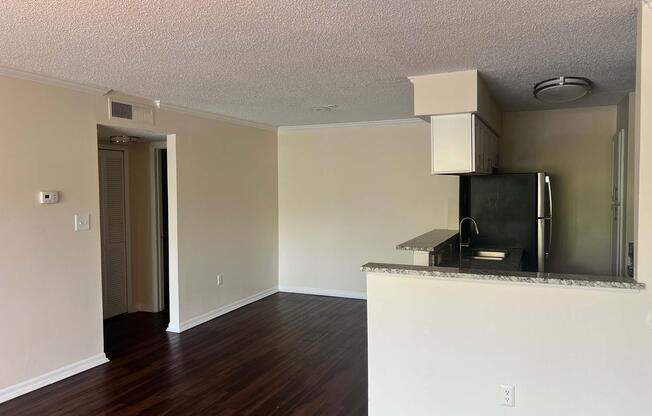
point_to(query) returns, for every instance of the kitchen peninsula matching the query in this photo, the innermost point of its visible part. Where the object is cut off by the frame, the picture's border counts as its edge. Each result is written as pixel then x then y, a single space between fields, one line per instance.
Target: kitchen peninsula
pixel 435 256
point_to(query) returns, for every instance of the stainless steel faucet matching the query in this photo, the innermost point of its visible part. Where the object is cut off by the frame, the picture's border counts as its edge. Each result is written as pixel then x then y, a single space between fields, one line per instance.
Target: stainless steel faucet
pixel 467 243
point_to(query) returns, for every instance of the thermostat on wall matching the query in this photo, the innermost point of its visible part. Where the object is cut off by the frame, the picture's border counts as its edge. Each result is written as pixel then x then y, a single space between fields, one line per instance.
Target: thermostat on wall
pixel 48 197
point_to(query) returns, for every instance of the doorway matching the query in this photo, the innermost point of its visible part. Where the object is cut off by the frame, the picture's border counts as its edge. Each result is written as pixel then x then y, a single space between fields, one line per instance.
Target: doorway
pixel 132 167
pixel 163 247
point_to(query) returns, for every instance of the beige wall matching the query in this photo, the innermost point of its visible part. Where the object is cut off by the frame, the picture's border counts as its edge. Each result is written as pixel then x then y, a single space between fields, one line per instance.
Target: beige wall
pixel 351 194
pixel 50 286
pixel 574 147
pixel 223 219
pixel 227 211
pixel 143 273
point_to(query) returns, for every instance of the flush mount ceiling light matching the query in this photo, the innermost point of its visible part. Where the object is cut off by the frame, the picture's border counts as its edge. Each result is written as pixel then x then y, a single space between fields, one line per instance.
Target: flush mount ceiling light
pixel 124 139
pixel 562 89
pixel 324 108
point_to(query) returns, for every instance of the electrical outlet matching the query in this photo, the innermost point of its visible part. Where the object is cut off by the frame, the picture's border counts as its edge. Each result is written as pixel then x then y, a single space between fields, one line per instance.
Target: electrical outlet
pixel 507 395
pixel 219 280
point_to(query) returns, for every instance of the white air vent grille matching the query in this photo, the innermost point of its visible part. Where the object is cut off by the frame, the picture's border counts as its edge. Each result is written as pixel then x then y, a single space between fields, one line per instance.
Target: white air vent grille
pixel 139 113
pixel 122 110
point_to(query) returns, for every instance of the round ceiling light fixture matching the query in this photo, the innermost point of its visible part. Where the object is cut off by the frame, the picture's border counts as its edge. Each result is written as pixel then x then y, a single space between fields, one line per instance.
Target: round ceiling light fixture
pixel 562 89
pixel 325 108
pixel 123 139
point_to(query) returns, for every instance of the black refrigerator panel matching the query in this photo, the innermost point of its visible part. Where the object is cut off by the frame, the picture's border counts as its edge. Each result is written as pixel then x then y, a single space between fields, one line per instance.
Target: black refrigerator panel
pixel 505 209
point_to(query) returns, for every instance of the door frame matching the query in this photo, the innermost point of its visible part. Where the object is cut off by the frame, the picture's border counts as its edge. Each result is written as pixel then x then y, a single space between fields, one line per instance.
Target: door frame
pixel 156 218
pixel 125 152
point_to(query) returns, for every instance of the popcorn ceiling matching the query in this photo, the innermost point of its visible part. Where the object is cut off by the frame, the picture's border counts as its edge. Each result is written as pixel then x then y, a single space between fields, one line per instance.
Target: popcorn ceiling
pixel 271 61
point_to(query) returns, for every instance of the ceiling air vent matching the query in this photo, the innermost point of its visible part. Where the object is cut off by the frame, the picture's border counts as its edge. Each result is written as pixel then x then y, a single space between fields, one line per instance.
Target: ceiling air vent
pixel 122 110
pixel 139 113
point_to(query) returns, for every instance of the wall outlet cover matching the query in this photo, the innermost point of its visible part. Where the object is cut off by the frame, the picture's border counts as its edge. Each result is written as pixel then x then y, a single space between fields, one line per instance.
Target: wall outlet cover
pixel 507 395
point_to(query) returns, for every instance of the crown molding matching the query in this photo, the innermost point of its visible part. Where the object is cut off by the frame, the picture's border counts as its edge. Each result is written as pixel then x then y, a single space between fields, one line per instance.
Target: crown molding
pixel 95 90
pixel 49 80
pixel 376 123
pixel 216 116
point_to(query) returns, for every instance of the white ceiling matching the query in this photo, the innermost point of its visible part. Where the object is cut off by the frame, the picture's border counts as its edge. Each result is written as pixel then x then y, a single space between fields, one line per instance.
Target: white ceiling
pixel 270 61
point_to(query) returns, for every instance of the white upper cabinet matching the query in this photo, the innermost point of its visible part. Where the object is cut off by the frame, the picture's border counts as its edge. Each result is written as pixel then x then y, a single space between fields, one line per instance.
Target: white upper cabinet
pixel 462 144
pixel 464 117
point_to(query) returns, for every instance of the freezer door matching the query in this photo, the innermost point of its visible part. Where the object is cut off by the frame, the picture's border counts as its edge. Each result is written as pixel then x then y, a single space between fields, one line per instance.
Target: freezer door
pixel 505 208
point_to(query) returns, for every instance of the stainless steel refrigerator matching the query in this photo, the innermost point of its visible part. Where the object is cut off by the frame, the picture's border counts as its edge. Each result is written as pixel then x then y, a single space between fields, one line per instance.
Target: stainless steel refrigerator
pixel 512 210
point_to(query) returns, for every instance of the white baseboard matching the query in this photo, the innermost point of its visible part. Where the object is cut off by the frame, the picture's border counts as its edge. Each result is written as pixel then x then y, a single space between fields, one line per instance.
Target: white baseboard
pixel 198 320
pixel 173 328
pixel 43 380
pixel 323 292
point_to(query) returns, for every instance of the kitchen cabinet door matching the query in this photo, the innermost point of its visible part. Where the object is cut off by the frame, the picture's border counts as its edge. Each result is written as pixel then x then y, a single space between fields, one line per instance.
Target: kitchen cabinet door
pixel 462 144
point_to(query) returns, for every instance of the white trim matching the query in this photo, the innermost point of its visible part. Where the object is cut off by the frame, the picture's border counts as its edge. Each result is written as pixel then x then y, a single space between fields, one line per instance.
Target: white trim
pixel 173 238
pixel 216 116
pixel 173 328
pixel 323 292
pixel 375 123
pixel 49 80
pixel 43 380
pixel 205 317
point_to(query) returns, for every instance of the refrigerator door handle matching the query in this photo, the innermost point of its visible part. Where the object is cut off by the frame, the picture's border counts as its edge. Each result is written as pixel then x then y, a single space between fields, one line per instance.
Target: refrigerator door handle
pixel 549 187
pixel 549 218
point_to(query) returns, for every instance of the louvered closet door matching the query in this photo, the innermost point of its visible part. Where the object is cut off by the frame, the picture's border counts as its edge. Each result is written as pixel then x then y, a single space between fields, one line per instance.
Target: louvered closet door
pixel 114 232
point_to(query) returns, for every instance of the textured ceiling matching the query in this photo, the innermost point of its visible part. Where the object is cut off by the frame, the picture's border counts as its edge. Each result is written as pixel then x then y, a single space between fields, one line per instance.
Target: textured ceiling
pixel 104 133
pixel 271 61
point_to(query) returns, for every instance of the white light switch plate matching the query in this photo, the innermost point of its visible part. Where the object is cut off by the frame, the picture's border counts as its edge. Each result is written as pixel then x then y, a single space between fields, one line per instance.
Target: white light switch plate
pixel 82 222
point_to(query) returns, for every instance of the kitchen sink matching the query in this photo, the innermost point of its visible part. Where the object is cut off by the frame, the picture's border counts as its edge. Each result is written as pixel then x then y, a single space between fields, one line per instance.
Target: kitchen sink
pixel 495 255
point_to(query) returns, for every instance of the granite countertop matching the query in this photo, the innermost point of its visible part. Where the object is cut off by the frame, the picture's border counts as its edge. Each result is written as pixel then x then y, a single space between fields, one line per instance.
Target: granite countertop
pixel 610 282
pixel 430 241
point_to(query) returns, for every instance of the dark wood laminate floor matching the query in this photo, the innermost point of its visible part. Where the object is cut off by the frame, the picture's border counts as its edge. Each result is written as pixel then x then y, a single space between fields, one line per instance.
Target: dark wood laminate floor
pixel 284 355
